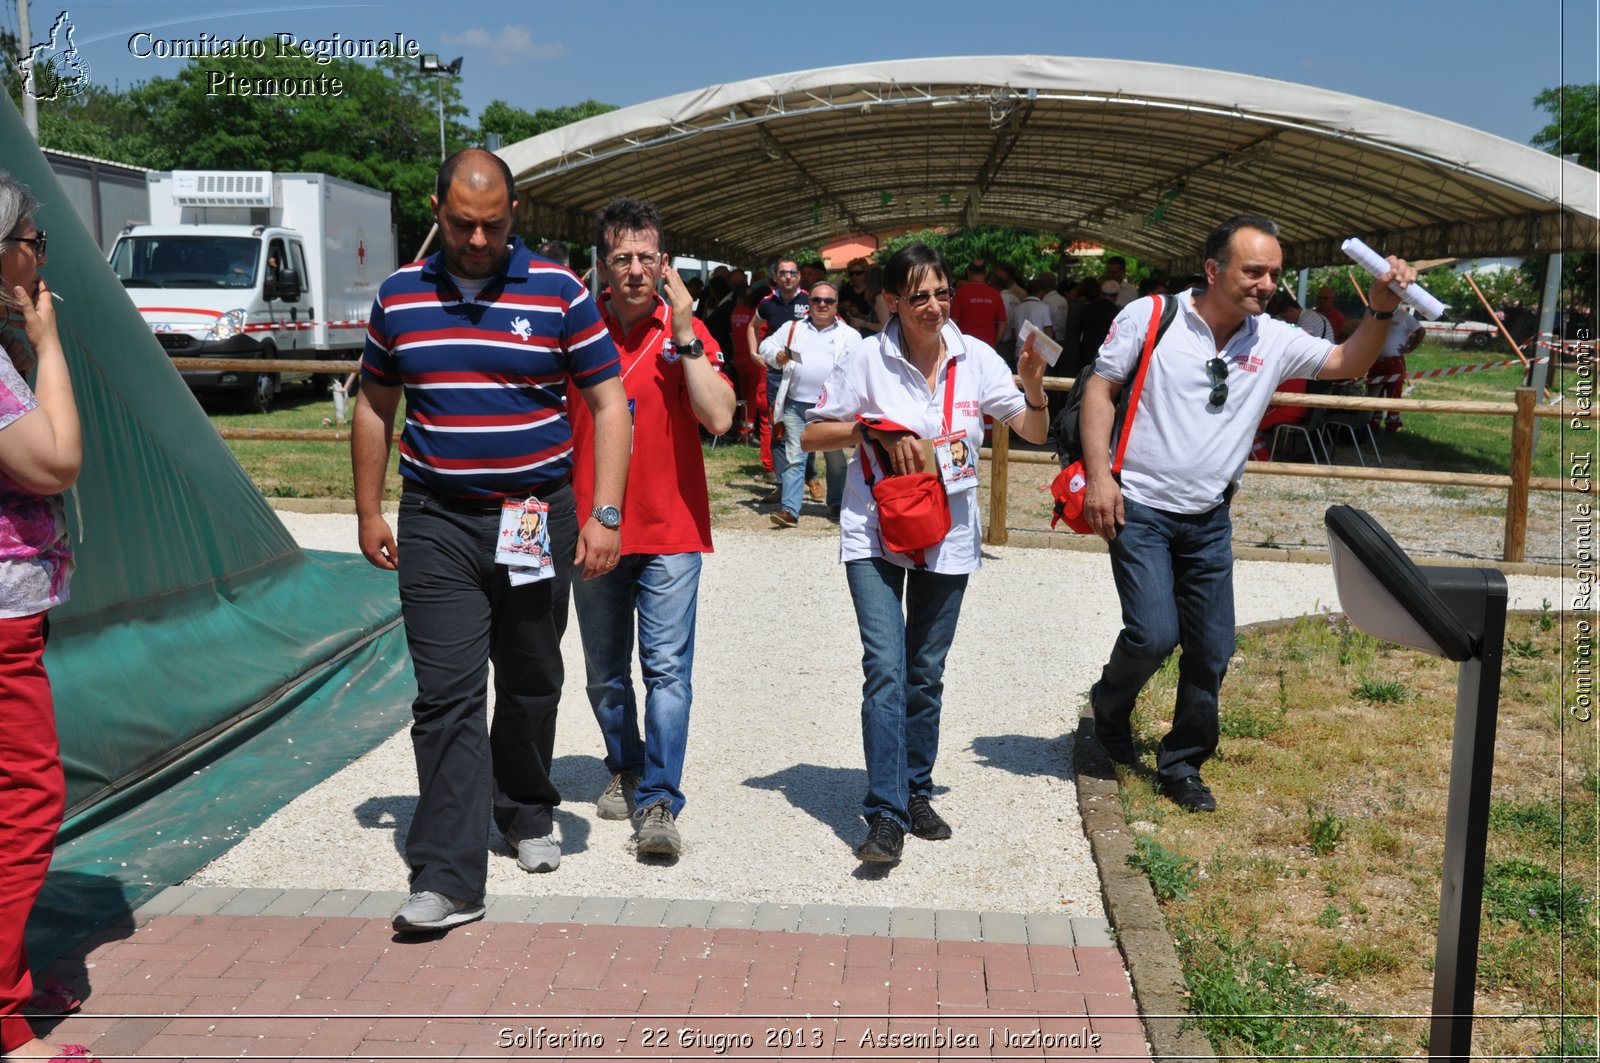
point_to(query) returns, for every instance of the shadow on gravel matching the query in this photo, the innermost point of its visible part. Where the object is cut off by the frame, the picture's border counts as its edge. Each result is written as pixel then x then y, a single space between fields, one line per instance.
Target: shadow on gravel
pixel 830 795
pixel 391 813
pixel 1028 754
pixel 580 778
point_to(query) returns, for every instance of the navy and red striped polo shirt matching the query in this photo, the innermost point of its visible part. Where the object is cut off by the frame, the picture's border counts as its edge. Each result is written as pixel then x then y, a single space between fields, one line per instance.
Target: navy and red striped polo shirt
pixel 485 380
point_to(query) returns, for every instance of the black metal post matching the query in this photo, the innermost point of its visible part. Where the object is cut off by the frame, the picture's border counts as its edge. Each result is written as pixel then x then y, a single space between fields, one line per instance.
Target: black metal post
pixel 1466 832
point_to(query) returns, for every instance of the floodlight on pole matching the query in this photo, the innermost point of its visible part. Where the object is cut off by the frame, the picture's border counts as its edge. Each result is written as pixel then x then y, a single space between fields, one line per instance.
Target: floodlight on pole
pixel 1458 614
pixel 429 63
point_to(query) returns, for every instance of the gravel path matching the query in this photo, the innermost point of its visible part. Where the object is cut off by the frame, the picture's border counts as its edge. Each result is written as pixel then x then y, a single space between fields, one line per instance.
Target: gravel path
pixel 774 774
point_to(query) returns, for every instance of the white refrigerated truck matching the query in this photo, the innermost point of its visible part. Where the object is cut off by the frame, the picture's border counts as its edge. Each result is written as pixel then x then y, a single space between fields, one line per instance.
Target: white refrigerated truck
pixel 252 264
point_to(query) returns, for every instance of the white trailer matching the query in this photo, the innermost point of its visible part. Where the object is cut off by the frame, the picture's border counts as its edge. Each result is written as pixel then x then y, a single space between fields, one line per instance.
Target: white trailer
pixel 252 264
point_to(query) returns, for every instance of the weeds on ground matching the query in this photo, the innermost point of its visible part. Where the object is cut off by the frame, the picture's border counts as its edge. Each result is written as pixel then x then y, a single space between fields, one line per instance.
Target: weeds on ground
pixel 1249 997
pixel 1172 875
pixel 1320 886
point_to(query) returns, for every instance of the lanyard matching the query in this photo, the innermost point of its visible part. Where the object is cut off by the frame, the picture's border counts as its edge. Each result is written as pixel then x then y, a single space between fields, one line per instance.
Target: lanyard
pixel 949 392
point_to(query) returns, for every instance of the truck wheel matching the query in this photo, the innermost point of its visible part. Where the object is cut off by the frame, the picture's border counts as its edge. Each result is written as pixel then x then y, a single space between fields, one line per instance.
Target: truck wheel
pixel 1479 341
pixel 262 392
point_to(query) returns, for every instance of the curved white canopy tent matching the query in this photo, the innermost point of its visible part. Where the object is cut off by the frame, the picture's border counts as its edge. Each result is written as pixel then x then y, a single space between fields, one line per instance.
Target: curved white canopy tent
pixel 1144 157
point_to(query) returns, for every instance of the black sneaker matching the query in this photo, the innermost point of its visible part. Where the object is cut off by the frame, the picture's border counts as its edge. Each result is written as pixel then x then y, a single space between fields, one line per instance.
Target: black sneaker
pixel 1190 794
pixel 885 839
pixel 925 822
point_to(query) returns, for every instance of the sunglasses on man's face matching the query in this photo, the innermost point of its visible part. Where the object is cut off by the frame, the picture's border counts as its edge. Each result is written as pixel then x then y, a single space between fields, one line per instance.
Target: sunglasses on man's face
pixel 1217 370
pixel 921 298
pixel 816 301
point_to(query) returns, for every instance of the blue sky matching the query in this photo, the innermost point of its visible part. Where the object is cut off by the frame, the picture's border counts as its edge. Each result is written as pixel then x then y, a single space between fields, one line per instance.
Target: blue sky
pixel 1475 62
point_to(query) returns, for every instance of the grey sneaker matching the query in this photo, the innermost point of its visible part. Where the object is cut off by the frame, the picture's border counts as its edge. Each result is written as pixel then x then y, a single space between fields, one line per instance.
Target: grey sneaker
pixel 658 834
pixel 617 800
pixel 427 911
pixel 538 854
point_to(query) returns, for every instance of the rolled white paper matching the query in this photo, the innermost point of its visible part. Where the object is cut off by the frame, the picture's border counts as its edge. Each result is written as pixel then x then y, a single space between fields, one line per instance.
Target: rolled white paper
pixel 1414 294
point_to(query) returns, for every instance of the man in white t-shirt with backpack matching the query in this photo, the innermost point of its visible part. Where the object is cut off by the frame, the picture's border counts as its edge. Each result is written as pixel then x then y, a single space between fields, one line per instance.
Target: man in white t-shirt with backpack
pixel 1167 521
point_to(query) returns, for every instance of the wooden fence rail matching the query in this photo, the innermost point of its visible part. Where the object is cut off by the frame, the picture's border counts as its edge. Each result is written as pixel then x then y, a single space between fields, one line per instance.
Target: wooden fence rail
pixel 1517 483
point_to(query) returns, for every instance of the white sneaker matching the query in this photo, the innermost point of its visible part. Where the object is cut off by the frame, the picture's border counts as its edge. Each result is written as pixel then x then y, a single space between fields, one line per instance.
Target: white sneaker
pixel 427 910
pixel 538 854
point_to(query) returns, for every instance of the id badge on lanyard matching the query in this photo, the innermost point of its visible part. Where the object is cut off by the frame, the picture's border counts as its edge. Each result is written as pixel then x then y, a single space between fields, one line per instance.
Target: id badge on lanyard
pixel 957 459
pixel 524 541
pixel 954 454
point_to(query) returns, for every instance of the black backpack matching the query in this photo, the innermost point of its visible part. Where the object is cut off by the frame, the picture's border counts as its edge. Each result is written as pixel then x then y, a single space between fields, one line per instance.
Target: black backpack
pixel 1069 443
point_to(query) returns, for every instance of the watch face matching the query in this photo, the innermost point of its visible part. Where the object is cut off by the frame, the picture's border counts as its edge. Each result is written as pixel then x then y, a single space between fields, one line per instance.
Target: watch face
pixel 610 516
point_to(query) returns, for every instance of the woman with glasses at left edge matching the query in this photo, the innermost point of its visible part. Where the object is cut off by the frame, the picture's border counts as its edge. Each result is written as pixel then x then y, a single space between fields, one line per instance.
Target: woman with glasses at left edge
pixel 918 380
pixel 41 451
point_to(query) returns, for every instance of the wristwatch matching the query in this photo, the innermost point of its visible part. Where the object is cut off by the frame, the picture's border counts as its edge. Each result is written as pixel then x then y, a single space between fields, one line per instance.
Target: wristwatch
pixel 608 516
pixel 693 349
pixel 1381 315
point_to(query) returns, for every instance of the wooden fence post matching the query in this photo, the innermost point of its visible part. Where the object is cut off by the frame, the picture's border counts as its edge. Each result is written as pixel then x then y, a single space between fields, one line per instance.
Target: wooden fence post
pixel 1521 472
pixel 999 476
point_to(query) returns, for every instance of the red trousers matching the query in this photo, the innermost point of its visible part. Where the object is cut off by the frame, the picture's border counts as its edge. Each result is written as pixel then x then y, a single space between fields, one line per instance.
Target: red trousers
pixel 33 796
pixel 764 418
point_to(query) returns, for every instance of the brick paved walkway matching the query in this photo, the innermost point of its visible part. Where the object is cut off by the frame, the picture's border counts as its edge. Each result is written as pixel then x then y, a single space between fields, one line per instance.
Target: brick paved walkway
pixel 297 974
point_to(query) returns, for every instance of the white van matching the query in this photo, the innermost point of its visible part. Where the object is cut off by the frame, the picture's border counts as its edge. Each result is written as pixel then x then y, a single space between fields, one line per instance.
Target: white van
pixel 256 265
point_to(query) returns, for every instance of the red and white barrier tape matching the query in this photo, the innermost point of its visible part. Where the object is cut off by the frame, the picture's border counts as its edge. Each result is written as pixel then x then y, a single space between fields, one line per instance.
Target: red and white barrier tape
pixel 1447 371
pixel 301 326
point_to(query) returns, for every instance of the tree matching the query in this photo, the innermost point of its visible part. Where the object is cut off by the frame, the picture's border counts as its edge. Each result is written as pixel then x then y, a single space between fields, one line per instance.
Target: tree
pixel 1029 253
pixel 514 124
pixel 1576 128
pixel 1575 131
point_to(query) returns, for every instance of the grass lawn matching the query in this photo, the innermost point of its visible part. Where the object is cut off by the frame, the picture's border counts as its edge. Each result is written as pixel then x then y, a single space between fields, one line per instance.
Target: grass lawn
pixel 1472 443
pixel 1306 907
pixel 314 468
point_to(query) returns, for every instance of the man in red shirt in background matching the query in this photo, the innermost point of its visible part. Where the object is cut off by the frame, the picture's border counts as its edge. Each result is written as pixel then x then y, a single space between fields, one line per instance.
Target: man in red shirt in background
pixel 976 308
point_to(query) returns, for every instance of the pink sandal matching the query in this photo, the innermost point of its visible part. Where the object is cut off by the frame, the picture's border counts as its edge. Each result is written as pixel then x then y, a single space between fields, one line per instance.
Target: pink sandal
pixel 53 998
pixel 74 1054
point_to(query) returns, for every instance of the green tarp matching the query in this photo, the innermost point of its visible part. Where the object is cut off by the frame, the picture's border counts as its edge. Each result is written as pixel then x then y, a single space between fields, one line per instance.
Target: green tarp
pixel 195 621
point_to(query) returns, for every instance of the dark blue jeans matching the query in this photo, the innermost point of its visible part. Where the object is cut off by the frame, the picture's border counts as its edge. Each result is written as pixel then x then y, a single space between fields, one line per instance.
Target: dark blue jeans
pixel 902 659
pixel 461 612
pixel 1174 576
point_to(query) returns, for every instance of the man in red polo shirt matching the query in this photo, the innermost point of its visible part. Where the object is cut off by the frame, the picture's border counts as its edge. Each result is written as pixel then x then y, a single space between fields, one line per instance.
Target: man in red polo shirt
pixel 671 372
pixel 977 309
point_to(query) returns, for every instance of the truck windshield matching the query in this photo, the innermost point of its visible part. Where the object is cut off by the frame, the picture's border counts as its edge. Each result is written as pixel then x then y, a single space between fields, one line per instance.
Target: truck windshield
pixel 186 261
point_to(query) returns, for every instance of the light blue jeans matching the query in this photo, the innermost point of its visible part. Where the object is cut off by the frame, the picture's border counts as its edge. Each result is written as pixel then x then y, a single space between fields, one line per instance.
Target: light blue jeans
pixel 902 661
pixel 662 591
pixel 791 461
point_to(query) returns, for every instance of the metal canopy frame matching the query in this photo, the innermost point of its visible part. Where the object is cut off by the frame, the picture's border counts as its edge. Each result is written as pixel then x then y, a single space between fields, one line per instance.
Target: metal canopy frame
pixel 1143 157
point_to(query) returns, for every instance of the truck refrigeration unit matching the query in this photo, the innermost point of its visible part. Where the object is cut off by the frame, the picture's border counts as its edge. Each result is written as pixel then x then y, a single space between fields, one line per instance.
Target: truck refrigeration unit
pixel 256 265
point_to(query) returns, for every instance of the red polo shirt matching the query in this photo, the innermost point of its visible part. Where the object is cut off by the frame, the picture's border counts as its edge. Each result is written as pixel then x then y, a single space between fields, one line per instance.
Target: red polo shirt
pixel 978 311
pixel 666 509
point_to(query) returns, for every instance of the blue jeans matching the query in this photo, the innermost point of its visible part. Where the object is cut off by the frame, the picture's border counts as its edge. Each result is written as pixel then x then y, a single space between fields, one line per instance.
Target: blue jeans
pixel 1174 575
pixel 902 660
pixel 663 591
pixel 791 461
